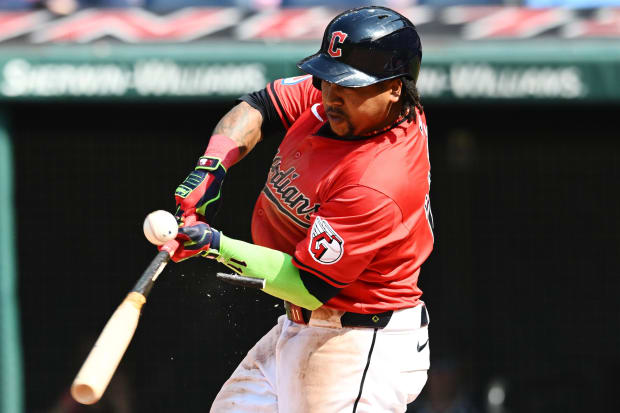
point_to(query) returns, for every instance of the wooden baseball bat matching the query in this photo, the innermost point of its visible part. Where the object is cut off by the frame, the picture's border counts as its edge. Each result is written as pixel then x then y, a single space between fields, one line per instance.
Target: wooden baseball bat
pixel 102 361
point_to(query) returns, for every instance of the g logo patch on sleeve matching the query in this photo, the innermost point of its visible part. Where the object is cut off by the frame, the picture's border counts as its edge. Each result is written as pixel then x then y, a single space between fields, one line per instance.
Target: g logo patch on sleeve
pixel 326 246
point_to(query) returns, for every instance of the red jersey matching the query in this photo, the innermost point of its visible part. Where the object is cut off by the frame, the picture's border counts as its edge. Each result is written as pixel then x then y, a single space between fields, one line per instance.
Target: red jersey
pixel 355 213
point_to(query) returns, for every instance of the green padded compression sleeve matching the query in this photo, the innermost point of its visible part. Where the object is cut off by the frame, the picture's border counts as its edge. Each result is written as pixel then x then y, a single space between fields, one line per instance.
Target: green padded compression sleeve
pixel 281 277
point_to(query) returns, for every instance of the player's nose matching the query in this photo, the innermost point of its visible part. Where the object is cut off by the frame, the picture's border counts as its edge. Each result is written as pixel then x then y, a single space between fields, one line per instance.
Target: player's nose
pixel 332 93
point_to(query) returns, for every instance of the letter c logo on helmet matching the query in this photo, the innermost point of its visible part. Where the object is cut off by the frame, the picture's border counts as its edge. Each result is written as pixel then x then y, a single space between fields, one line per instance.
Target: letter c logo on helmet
pixel 337 37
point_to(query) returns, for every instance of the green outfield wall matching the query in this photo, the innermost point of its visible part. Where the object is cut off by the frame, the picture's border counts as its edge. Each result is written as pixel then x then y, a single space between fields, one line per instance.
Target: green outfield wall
pixel 10 353
pixel 459 71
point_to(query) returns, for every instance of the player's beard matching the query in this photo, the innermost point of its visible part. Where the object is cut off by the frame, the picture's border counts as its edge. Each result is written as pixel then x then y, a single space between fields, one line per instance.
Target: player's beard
pixel 343 128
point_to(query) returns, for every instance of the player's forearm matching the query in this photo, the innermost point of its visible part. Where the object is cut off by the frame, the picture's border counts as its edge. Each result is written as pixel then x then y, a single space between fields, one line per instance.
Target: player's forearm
pixel 234 136
pixel 242 124
pixel 281 277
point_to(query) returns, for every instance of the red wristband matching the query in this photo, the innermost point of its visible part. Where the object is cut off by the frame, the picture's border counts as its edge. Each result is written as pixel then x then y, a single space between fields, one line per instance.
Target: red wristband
pixel 224 148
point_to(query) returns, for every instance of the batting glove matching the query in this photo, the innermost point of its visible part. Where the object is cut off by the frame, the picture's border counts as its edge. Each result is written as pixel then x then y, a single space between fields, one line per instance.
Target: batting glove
pixel 199 193
pixel 197 239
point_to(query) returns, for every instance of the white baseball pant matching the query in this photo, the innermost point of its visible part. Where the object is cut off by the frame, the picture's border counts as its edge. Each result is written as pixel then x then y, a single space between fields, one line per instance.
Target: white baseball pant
pixel 324 368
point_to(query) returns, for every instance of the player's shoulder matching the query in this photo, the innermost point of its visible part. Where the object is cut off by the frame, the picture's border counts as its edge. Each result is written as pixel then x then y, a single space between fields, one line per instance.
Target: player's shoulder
pixel 395 149
pixel 397 163
pixel 295 86
pixel 293 96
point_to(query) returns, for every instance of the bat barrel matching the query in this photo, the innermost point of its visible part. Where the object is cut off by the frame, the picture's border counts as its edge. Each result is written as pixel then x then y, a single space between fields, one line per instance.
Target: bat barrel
pixel 100 365
pixel 84 393
pixel 98 369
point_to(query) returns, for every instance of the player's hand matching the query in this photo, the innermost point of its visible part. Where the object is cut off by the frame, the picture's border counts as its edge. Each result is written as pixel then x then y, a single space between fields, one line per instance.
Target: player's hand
pixel 195 239
pixel 199 194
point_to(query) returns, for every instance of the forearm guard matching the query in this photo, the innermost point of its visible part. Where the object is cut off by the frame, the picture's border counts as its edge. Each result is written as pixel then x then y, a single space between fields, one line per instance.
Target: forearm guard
pixel 280 277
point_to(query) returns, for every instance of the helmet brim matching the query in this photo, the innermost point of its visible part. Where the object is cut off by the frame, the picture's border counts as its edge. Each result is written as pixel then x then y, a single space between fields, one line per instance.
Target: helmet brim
pixel 333 71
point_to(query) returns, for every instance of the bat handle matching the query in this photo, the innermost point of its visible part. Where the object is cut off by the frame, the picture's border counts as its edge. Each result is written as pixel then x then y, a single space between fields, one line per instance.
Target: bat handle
pixel 145 283
pixel 170 247
pixel 148 277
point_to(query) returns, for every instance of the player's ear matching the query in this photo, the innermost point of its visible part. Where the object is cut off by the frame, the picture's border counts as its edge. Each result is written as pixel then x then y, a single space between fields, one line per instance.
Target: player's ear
pixel 396 89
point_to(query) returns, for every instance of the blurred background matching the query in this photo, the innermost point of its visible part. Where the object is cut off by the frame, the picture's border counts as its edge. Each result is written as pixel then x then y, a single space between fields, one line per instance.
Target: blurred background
pixel 106 104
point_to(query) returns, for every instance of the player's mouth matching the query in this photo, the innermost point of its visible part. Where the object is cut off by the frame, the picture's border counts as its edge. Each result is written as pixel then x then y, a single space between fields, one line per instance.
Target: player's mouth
pixel 335 115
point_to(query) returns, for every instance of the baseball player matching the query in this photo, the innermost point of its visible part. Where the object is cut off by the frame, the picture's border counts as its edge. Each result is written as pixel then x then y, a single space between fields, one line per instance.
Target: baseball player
pixel 340 229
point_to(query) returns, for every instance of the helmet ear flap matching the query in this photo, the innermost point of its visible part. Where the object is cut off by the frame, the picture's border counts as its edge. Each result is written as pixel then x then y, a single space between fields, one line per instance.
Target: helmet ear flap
pixel 316 82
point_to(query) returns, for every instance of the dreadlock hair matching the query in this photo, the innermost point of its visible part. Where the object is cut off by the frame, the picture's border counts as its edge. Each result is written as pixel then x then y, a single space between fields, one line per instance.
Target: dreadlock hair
pixel 411 100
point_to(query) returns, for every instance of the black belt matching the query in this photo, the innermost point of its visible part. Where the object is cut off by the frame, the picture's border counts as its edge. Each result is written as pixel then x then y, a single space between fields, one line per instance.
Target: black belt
pixel 377 320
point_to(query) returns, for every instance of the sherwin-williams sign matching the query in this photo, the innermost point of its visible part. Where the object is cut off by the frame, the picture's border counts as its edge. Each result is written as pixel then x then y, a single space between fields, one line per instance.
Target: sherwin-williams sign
pixel 506 71
pixel 480 80
pixel 142 78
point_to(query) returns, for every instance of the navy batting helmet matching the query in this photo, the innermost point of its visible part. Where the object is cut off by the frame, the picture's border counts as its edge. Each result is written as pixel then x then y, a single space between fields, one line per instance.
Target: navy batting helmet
pixel 364 46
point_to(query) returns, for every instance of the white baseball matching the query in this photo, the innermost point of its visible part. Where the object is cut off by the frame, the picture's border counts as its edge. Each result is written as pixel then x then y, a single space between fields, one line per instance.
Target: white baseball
pixel 160 227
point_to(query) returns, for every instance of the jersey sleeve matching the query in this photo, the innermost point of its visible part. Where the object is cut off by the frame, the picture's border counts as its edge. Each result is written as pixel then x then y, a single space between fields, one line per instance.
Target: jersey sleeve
pixel 346 233
pixel 292 97
pixel 261 101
